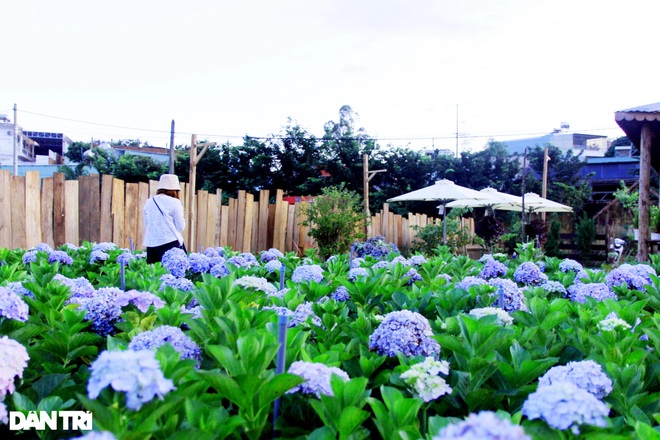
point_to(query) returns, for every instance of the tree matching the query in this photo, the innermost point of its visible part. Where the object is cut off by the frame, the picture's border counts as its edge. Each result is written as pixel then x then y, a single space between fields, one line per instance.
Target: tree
pixel 133 168
pixel 76 151
pixel 620 141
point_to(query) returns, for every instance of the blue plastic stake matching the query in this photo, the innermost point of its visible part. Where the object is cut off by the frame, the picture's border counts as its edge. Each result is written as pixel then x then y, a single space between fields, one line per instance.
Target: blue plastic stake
pixel 282 321
pixel 282 272
pixel 350 256
pixel 122 276
pixel 131 244
pixel 500 297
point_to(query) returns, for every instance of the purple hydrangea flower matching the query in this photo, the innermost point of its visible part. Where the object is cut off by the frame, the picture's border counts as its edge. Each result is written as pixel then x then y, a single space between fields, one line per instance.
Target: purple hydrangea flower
pixel 445 276
pixel 4 415
pixel 279 310
pixel 196 311
pixel 158 336
pixel 245 259
pixel 216 260
pixel 399 259
pixel 104 247
pixel 554 287
pixel 492 269
pixel 71 246
pixel 587 375
pixel 214 252
pixel 529 273
pixel 470 281
pixel 219 270
pixel 12 305
pixel 13 360
pixel 381 265
pixel 311 272
pixel 629 276
pixel 103 309
pixel 125 258
pixel 60 257
pixel 141 300
pixel 199 263
pixel 357 262
pixel 375 247
pixel 417 260
pixel 570 265
pixel 302 314
pixel 18 288
pixel 270 255
pixel 356 273
pixel 404 332
pixel 29 257
pixel 541 265
pixel 43 247
pixel 176 261
pixel 513 297
pixel 340 294
pixel 79 287
pixel 413 275
pixel 317 378
pixel 136 373
pixel 256 283
pixel 485 425
pixel 183 284
pixel 97 256
pixel 598 291
pixel 273 266
pixel 563 405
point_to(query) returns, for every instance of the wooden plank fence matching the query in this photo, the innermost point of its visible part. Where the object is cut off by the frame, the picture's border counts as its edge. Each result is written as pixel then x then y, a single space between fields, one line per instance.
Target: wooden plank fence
pixel 105 209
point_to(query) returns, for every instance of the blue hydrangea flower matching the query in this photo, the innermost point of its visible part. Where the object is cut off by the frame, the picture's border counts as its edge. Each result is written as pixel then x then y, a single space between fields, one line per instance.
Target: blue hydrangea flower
pixel 219 270
pixel 503 318
pixel 356 273
pixel 216 260
pixel 43 247
pixel 470 281
pixel 598 291
pixel 273 266
pixel 280 311
pixel 199 263
pixel 141 300
pixel 310 272
pixel 196 311
pixel 404 332
pixel 541 265
pixel 158 336
pixel 381 265
pixel 340 294
pixel 399 259
pixel 529 273
pixel 4 415
pixel 29 257
pixel 570 265
pixel 513 297
pixel 444 276
pixel 417 260
pixel 104 247
pixel 302 314
pixel 60 257
pixel 125 258
pixel 357 262
pixel 245 259
pixel 317 378
pixel 375 247
pixel 176 261
pixel 492 269
pixel 270 255
pixel 214 252
pixel 13 360
pixel 12 305
pixel 628 276
pixel 79 287
pixel 71 246
pixel 424 380
pixel 183 284
pixel 98 256
pixel 554 287
pixel 102 309
pixel 256 283
pixel 413 275
pixel 485 425
pixel 136 373
pixel 587 375
pixel 563 405
pixel 18 288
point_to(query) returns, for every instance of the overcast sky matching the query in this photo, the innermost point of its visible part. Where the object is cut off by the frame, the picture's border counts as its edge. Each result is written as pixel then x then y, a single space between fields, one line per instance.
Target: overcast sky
pixel 225 69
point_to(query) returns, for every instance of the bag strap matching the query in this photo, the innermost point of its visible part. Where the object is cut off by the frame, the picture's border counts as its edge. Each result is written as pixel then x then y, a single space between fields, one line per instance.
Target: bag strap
pixel 166 220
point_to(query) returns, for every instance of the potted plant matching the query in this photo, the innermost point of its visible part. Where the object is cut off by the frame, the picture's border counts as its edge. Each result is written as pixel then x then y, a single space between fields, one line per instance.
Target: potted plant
pixel 630 202
pixel 654 222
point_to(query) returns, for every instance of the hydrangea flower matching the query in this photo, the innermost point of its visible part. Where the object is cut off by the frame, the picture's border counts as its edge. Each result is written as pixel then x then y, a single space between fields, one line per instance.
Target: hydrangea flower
pixel 310 272
pixel 279 310
pixel 399 259
pixel 564 405
pixel 512 297
pixel 570 265
pixel 199 263
pixel 485 425
pixel 71 246
pixel 97 256
pixel 444 276
pixel 60 257
pixel 271 255
pixel 503 318
pixel 79 287
pixel 357 262
pixel 340 294
pixel 13 360
pixel 628 276
pixel 257 283
pixel 104 247
pixel 375 247
pixel 613 322
pixel 97 435
pixel 219 270
pixel 492 269
pixel 245 259
pixel 4 415
pixel 154 338
pixel 404 332
pixel 214 252
pixel 18 288
pixel 598 291
pixel 380 265
pixel 102 309
pixel 554 287
pixel 413 275
pixel 136 373
pixel 424 379
pixel 12 305
pixel 417 260
pixel 304 311
pixel 176 261
pixel 470 281
pixel 216 260
pixel 529 273
pixel 141 300
pixel 587 375
pixel 356 273
pixel 317 378
pixel 125 258
pixel 29 257
pixel 183 284
pixel 273 266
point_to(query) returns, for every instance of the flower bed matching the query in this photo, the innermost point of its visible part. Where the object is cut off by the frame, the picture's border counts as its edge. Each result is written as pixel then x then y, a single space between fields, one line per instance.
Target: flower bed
pixel 378 346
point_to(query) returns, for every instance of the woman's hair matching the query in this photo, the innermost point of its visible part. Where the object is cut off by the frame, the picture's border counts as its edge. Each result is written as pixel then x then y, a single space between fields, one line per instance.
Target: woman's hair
pixel 169 192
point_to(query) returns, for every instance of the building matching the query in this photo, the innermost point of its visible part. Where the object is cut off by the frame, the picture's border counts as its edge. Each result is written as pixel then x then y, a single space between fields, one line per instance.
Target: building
pixel 156 153
pixel 49 143
pixel 606 174
pixel 25 146
pixel 590 145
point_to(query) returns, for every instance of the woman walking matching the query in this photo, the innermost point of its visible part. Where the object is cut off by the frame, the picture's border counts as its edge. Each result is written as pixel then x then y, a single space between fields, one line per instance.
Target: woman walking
pixel 163 219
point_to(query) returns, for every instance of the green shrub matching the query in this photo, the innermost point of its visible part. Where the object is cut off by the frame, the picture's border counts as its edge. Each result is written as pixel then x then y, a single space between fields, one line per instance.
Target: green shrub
pixel 586 234
pixel 335 219
pixel 552 243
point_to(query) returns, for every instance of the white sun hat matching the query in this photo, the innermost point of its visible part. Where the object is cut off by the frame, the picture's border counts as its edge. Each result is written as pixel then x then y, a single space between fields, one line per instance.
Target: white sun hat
pixel 169 181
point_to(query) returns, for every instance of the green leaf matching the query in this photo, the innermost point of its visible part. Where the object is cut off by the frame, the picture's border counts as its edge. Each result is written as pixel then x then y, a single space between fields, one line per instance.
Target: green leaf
pixel 23 403
pixel 225 386
pixel 351 419
pixel 646 432
pixel 45 385
pixel 277 386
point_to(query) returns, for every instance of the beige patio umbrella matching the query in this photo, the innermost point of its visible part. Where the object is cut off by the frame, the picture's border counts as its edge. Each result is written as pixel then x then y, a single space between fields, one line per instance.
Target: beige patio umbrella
pixel 494 198
pixel 442 191
pixel 534 203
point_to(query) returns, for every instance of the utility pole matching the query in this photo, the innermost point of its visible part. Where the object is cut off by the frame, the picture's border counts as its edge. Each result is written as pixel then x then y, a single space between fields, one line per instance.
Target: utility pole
pixel 192 177
pixel 15 144
pixel 544 189
pixel 522 186
pixel 366 177
pixel 172 148
pixel 456 130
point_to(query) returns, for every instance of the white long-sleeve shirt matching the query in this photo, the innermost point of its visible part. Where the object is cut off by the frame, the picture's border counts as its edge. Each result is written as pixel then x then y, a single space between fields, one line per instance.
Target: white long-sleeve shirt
pixel 166 227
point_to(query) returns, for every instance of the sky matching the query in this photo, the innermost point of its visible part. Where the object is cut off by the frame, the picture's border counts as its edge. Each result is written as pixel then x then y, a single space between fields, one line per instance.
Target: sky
pixel 415 71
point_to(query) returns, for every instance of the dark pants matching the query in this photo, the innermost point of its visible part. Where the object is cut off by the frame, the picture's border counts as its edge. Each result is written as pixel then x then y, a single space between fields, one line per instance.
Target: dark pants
pixel 155 254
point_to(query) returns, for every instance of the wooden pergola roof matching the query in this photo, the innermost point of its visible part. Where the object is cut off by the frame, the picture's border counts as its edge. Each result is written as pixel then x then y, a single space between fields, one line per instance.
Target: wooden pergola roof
pixel 631 121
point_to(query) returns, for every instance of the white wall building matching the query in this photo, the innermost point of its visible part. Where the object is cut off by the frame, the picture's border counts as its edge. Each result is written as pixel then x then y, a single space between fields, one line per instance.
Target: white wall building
pixel 24 145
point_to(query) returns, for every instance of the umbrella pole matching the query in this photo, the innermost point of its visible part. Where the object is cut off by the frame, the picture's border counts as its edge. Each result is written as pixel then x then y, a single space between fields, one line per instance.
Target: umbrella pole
pixel 444 223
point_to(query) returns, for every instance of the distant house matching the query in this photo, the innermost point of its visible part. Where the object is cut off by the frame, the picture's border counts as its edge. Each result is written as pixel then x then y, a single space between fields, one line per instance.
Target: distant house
pixel 25 146
pixel 606 173
pixel 51 145
pixel 156 153
pixel 592 144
